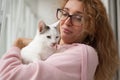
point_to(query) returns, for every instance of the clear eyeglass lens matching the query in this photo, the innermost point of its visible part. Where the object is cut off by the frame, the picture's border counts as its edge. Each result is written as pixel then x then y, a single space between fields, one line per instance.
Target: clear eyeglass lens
pixel 62 15
pixel 77 20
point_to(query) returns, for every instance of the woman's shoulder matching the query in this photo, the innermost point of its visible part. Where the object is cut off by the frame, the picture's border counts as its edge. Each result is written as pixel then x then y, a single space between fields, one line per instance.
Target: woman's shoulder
pixel 84 50
pixel 83 47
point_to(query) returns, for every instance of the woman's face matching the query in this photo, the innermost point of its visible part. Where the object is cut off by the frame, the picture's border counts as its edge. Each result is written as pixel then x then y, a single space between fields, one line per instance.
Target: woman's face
pixel 70 31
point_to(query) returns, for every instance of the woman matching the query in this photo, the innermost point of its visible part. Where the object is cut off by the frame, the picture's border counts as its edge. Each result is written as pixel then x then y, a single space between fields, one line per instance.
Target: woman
pixel 91 51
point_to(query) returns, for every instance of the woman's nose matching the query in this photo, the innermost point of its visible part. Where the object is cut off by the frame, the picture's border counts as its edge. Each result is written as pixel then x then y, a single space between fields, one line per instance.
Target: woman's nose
pixel 68 21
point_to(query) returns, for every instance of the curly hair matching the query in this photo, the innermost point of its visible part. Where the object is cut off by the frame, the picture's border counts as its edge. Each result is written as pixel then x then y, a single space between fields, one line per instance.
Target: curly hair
pixel 100 36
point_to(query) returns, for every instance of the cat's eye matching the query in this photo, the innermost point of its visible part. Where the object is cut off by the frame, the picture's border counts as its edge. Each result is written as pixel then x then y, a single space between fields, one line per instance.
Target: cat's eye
pixel 57 37
pixel 49 37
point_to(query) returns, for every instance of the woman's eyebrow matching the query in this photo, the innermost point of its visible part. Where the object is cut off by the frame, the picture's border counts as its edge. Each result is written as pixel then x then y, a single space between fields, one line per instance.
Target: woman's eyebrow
pixel 77 12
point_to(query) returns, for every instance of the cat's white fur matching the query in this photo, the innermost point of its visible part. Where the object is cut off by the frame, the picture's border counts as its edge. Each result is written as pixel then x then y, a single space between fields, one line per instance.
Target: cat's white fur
pixel 42 46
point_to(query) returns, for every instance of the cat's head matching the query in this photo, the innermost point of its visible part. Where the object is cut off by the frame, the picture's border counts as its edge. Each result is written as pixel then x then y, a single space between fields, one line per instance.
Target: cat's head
pixel 48 34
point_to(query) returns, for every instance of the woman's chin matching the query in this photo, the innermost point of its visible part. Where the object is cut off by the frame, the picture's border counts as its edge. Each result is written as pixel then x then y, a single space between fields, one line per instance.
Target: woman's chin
pixel 65 36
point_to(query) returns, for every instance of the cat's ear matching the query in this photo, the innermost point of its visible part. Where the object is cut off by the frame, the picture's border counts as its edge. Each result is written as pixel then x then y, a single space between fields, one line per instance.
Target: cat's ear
pixel 42 27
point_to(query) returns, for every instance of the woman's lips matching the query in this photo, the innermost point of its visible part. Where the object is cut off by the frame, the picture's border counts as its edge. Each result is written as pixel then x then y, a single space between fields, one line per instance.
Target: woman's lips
pixel 67 31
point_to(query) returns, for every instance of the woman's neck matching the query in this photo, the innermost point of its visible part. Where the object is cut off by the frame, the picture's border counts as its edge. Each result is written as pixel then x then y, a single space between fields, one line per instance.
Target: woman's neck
pixel 63 42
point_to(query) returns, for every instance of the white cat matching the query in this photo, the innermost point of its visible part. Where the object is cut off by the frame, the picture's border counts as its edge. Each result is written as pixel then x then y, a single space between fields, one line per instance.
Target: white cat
pixel 43 45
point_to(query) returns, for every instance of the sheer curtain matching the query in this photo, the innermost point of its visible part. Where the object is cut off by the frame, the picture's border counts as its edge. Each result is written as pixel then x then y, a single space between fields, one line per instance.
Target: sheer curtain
pixel 17 21
pixel 3 26
pixel 0 14
pixel 118 30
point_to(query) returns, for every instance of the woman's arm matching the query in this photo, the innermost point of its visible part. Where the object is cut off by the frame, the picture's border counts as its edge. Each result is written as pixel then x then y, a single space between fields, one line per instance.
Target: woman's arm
pixel 12 69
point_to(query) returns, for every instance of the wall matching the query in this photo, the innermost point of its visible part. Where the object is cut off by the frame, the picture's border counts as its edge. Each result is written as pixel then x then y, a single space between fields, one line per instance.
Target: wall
pixel 47 10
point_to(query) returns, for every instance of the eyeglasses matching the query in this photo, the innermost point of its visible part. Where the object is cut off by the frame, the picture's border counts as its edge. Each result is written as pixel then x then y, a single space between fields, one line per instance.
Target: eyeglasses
pixel 63 15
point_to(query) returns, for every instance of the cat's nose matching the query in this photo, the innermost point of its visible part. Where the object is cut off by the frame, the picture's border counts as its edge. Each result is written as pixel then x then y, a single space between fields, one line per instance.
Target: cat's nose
pixel 54 44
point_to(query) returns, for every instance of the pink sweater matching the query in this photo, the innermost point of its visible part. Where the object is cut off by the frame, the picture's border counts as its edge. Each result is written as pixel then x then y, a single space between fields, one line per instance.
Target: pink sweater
pixel 77 62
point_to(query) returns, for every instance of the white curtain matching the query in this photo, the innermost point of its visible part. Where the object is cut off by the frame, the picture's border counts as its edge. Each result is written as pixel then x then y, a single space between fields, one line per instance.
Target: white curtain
pixel 17 21
pixel 2 22
pixel 118 30
pixel 0 14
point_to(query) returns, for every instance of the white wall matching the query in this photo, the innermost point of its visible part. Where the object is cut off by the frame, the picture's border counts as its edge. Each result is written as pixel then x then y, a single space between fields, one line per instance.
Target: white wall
pixel 47 10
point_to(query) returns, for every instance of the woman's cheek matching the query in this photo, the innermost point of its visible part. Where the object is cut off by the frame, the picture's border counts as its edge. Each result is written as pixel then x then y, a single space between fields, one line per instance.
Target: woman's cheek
pixel 61 22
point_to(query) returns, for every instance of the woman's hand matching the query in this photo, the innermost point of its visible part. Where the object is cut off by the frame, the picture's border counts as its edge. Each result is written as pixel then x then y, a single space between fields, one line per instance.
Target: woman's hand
pixel 22 42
